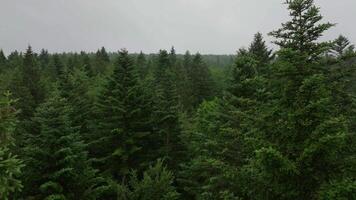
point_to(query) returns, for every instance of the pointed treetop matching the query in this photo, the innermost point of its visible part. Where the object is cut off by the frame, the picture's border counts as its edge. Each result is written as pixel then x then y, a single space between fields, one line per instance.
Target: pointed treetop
pixel 259 49
pixel 302 32
pixel 2 57
pixel 340 45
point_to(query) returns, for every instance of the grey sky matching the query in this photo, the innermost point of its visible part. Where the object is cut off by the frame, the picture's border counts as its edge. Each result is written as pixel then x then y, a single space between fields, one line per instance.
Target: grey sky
pixel 207 26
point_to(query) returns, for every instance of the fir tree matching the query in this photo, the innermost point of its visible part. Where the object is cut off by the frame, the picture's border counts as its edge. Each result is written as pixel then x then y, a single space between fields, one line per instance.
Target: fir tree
pixel 157 183
pixel 124 122
pixel 101 60
pixel 57 167
pixel 303 30
pixel 260 51
pixel 10 165
pixel 31 76
pixel 166 111
pixel 201 81
pixel 3 60
pixel 142 65
pixel 341 46
pixel 303 132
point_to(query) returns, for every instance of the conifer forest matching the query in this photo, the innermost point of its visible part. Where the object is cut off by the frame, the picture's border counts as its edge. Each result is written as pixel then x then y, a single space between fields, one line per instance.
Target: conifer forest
pixel 263 124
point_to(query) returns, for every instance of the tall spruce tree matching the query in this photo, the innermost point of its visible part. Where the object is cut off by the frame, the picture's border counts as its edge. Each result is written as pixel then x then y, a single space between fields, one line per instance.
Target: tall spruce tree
pixel 57 165
pixel 303 133
pixel 142 65
pixel 260 52
pixel 31 76
pixel 341 47
pixel 101 61
pixel 121 141
pixel 304 29
pixel 166 112
pixel 3 60
pixel 10 165
pixel 201 81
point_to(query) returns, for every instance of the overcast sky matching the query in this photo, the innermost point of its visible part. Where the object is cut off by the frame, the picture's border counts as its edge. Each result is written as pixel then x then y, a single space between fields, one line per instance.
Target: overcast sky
pixel 207 26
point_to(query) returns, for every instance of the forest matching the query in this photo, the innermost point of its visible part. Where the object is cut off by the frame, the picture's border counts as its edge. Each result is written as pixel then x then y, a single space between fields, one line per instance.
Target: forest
pixel 259 125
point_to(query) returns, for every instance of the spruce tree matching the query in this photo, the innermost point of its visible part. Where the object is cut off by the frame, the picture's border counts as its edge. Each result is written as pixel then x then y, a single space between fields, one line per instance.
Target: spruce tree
pixel 201 81
pixel 142 65
pixel 86 62
pixel 166 112
pixel 3 60
pixel 57 167
pixel 101 61
pixel 157 183
pixel 303 30
pixel 303 133
pixel 260 51
pixel 10 165
pixel 31 76
pixel 121 142
pixel 341 46
pixel 80 100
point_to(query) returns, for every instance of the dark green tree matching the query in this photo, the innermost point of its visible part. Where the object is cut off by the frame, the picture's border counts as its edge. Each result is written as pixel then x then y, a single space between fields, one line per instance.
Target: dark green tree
pixel 31 76
pixel 10 164
pixel 166 112
pixel 304 29
pixel 101 61
pixel 260 51
pixel 157 183
pixel 124 123
pixel 303 133
pixel 3 60
pixel 57 165
pixel 201 81
pixel 341 46
pixel 142 65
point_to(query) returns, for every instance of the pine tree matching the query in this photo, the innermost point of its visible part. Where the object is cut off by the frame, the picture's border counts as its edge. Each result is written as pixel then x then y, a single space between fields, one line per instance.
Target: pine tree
pixel 124 123
pixel 31 76
pixel 57 167
pixel 341 46
pixel 201 81
pixel 101 61
pixel 87 63
pixel 157 183
pixel 80 101
pixel 303 30
pixel 58 66
pixel 44 59
pixel 166 111
pixel 142 65
pixel 303 133
pixel 3 60
pixel 260 51
pixel 226 126
pixel 10 165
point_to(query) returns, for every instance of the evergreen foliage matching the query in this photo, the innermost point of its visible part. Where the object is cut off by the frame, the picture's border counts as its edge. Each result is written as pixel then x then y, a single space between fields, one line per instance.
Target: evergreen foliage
pixel 10 164
pixel 57 167
pixel 157 183
pixel 258 125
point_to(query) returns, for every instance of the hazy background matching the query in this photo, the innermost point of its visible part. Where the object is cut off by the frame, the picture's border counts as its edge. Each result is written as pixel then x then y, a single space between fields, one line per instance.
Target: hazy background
pixel 207 26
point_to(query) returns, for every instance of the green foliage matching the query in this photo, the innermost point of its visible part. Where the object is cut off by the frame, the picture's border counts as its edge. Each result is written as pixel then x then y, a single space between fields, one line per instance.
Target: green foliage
pixel 123 122
pixel 10 165
pixel 156 183
pixel 342 47
pixel 258 125
pixel 260 51
pixel 166 112
pixel 57 166
pixel 303 30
